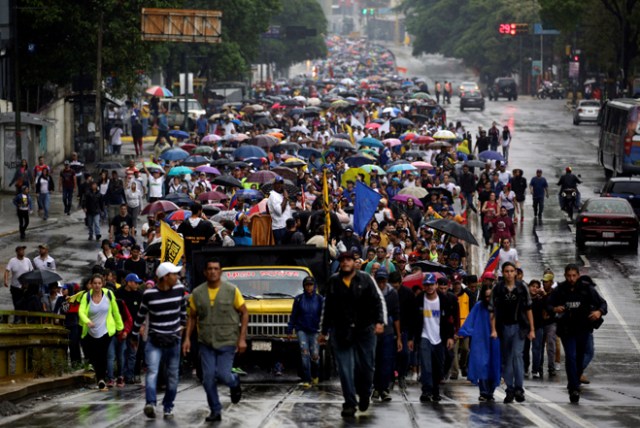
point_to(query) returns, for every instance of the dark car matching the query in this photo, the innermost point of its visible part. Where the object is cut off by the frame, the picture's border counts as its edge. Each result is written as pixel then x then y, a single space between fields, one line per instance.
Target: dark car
pixel 624 187
pixel 607 219
pixel 504 87
pixel 471 99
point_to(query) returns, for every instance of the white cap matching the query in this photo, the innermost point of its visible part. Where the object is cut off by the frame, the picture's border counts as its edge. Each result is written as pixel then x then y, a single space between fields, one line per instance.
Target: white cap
pixel 165 268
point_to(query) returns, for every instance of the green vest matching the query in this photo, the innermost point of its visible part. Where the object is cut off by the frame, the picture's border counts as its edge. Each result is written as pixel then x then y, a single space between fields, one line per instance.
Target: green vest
pixel 218 324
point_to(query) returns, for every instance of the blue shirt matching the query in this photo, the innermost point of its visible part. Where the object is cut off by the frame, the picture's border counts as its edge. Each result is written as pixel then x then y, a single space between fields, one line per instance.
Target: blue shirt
pixel 538 184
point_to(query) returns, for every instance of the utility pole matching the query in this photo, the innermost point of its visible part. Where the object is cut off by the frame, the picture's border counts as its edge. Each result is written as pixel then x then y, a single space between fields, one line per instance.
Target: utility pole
pixel 16 81
pixel 98 112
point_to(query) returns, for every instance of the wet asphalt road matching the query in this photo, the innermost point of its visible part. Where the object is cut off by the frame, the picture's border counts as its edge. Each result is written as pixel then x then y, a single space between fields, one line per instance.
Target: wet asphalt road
pixel 543 137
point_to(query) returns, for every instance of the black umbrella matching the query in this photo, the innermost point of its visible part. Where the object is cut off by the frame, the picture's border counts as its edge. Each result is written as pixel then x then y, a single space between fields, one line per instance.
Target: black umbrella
pixel 429 266
pixel 453 228
pixel 221 162
pixel 440 191
pixel 39 276
pixel 288 185
pixel 153 250
pixel 180 199
pixel 401 121
pixel 239 164
pixel 266 121
pixel 227 180
pixel 474 164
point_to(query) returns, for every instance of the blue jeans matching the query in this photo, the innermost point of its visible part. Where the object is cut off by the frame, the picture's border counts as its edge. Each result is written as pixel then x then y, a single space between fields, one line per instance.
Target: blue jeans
pixel 487 387
pixel 115 352
pixel 216 366
pixel 278 234
pixel 385 361
pixel 129 361
pixel 550 339
pixel 67 199
pixel 402 357
pixel 574 346
pixel 94 224
pixel 309 354
pixel 44 203
pixel 589 352
pixel 537 348
pixel 171 359
pixel 431 366
pixel 512 348
pixel 468 196
pixel 356 365
pixel 538 206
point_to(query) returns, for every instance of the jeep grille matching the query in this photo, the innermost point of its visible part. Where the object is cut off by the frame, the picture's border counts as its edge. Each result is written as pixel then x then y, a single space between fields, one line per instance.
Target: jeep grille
pixel 268 324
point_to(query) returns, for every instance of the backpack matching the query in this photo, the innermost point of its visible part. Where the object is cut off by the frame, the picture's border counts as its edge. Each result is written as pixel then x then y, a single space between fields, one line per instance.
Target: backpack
pixel 127 320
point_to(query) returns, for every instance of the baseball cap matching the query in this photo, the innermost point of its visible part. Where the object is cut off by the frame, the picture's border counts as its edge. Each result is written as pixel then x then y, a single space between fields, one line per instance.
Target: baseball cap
pixel 20 247
pixel 397 250
pixel 348 229
pixel 346 255
pixel 382 274
pixel 278 179
pixel 308 280
pixel 547 277
pixel 443 281
pixel 454 256
pixel 167 268
pixel 429 279
pixel 133 277
pixel 45 246
pixel 568 169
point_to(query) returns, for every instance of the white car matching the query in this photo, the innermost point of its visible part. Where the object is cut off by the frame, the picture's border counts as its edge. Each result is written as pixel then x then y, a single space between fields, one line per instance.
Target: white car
pixel 586 111
pixel 467 86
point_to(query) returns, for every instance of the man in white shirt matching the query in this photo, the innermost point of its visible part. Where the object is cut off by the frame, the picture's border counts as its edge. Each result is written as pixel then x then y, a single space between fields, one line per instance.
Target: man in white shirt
pixel 156 184
pixel 17 266
pixel 503 174
pixel 44 260
pixel 279 209
pixel 507 254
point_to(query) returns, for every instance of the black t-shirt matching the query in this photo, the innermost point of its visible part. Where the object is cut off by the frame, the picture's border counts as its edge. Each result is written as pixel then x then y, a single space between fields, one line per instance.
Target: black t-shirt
pixel 195 237
pixel 118 220
pixel 130 298
pixel 138 267
pixel 457 248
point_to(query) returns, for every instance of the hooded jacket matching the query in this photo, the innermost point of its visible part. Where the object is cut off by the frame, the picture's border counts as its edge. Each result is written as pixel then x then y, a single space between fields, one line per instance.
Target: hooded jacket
pixel 306 312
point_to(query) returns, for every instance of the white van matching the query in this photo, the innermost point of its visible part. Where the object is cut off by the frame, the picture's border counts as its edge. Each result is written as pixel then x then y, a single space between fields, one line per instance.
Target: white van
pixel 175 111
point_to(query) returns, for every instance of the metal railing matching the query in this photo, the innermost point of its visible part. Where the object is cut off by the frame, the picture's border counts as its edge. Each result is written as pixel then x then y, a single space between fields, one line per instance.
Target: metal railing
pixel 268 324
pixel 31 342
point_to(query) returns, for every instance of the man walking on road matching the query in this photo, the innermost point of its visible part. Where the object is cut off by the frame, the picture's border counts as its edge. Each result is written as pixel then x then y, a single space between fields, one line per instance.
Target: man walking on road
pixel 217 308
pixel 24 207
pixel 16 267
pixel 166 306
pixel 354 312
pixel 539 190
pixel 68 183
pixel 580 309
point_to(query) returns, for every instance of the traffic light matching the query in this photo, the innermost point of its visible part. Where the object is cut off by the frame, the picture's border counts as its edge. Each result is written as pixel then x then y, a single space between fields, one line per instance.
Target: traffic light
pixel 513 29
pixel 368 11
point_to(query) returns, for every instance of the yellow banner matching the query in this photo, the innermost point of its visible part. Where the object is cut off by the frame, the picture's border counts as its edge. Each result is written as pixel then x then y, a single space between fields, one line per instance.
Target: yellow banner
pixel 350 131
pixel 325 200
pixel 172 245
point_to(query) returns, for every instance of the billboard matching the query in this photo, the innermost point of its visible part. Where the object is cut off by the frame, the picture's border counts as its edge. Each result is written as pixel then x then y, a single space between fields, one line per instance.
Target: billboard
pixel 181 25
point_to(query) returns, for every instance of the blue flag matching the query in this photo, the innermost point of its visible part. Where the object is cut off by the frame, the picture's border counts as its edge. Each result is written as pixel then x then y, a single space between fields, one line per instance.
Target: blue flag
pixel 364 207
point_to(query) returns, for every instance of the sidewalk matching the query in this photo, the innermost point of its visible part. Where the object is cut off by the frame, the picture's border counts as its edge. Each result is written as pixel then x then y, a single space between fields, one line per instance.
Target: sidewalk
pixel 19 388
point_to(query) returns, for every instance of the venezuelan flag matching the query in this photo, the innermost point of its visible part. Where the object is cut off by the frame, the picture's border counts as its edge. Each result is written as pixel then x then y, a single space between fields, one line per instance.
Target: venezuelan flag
pixel 492 263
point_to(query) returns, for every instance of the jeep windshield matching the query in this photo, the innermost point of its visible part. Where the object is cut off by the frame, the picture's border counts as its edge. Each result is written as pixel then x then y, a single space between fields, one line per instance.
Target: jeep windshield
pixel 267 283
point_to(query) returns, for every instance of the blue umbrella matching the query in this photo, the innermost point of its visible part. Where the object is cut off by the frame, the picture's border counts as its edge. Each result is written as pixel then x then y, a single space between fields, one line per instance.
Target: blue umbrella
pixel 355 161
pixel 176 133
pixel 174 155
pixel 490 155
pixel 306 153
pixel 402 167
pixel 244 152
pixel 249 194
pixel 371 142
pixel 179 170
pixel 195 160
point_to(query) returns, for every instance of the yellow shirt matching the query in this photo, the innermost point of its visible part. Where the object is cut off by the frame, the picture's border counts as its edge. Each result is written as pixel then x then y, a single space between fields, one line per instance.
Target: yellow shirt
pixel 238 300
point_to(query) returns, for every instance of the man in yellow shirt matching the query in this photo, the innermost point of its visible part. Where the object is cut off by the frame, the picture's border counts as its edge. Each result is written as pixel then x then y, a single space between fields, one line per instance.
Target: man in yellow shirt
pixel 217 308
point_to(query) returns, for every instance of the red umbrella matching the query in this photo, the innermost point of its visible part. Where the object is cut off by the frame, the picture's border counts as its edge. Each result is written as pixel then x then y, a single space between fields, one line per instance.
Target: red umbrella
pixel 414 279
pixel 261 177
pixel 423 139
pixel 188 147
pixel 212 196
pixel 160 206
pixel 372 125
pixel 180 215
pixel 404 198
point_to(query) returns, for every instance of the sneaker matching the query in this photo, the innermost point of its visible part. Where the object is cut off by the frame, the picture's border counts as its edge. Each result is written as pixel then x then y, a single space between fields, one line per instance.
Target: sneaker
pixel 168 414
pixel 526 374
pixel 436 398
pixel 102 384
pixel 520 396
pixel 315 380
pixel 236 394
pixel 90 237
pixel 385 396
pixel 110 383
pixel 98 237
pixel 454 377
pixel 348 411
pixel 426 398
pixel 305 384
pixel 552 373
pixel 483 398
pixel 375 395
pixel 120 382
pixel 238 371
pixel 402 383
pixel 213 417
pixel 150 411
pixel 363 404
pixel 414 377
pixel 574 396
pixel 585 380
pixel 537 375
pixel 509 397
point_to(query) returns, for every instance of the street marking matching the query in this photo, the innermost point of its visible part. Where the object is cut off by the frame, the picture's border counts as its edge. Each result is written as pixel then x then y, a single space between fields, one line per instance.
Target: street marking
pixel 613 310
pixel 526 412
pixel 585 261
pixel 575 418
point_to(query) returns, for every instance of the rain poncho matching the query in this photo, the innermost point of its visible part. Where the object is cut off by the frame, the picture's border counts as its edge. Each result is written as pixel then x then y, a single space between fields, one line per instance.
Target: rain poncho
pixel 484 358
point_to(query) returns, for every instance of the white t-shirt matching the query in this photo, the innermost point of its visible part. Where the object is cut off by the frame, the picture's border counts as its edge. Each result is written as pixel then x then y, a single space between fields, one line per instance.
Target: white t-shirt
pixel 115 134
pixel 504 176
pixel 507 200
pixel 98 315
pixel 155 186
pixel 47 263
pixel 17 268
pixel 278 216
pixel 506 256
pixel 431 324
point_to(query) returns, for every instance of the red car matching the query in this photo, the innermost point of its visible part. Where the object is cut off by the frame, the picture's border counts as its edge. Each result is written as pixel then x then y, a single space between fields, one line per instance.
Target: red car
pixel 607 219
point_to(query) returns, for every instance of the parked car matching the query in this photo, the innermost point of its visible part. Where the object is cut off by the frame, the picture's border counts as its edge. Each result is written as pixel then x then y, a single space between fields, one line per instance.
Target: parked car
pixel 467 86
pixel 175 111
pixel 607 219
pixel 471 99
pixel 586 111
pixel 624 187
pixel 504 87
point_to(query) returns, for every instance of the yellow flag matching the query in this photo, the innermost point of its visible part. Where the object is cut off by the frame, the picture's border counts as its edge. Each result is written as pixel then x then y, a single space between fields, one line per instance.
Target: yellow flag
pixel 350 131
pixel 172 245
pixel 325 204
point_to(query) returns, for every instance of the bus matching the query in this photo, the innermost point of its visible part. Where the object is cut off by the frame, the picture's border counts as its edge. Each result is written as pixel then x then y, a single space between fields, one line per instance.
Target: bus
pixel 619 142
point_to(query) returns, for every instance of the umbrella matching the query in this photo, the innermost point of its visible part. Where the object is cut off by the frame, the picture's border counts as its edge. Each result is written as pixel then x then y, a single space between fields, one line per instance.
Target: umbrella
pixel 474 164
pixel 306 153
pixel 159 91
pixel 372 125
pixel 266 121
pixel 399 162
pixel 429 266
pixel 402 198
pixel 291 188
pixel 188 147
pixel 180 199
pixel 239 137
pixel 149 165
pixel 392 142
pixel 221 162
pixel 338 143
pixel 490 155
pixel 176 133
pixel 249 195
pixel 413 280
pixel 372 167
pixel 210 137
pixel 356 161
pixel 402 121
pixel 288 146
pixel 294 163
pixel 444 134
pixel 340 104
pixel 286 172
pixel 352 175
pixel 439 145
pixel 265 141
pixel 174 155
pixel 418 192
pixel 195 160
pixel 153 250
pixel 422 165
pixel 371 142
pixel 160 206
pixel 203 150
pixel 261 177
pixel 211 209
pixel 453 228
pixel 249 152
pixel 440 191
pixel 39 276
pixel 423 139
pixel 240 164
pixel 421 96
pixel 302 129
pixel 420 154
pixel 179 170
pixel 402 167
pixel 227 181
pixel 208 169
pixel 180 215
pixel 212 196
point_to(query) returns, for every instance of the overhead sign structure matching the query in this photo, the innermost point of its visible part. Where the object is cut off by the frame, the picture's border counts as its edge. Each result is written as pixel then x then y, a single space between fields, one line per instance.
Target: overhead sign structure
pixel 181 25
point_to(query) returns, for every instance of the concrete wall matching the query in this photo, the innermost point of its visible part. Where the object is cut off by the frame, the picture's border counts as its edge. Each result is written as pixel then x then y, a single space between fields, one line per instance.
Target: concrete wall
pixel 59 135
